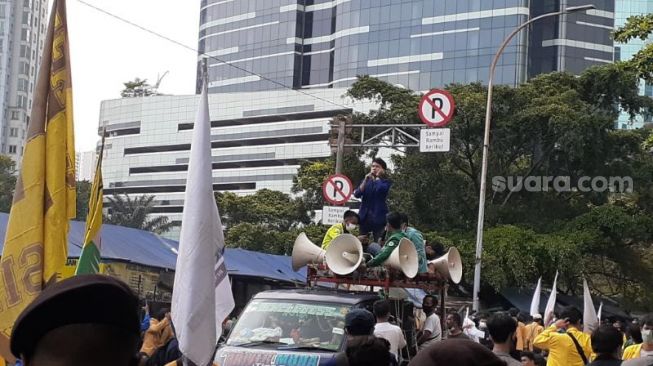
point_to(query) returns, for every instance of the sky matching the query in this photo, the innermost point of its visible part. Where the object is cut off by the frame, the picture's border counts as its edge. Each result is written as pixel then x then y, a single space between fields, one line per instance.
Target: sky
pixel 106 52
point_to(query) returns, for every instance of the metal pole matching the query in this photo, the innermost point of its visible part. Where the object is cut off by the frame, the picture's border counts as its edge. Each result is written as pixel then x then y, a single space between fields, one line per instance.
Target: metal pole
pixel 486 145
pixel 341 145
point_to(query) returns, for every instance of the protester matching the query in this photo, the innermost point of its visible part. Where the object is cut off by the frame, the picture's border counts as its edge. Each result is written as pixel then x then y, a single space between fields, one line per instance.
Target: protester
pixel 532 330
pixel 633 335
pixel 415 236
pixel 359 328
pixel 431 331
pixel 456 352
pixel 606 344
pixel 349 223
pixel 486 340
pixel 502 329
pixel 390 332
pixel 572 347
pixel 365 351
pixel 521 329
pixel 528 359
pixel 433 250
pixel 158 333
pixel 645 349
pixel 393 228
pixel 373 191
pixel 80 321
pixel 455 327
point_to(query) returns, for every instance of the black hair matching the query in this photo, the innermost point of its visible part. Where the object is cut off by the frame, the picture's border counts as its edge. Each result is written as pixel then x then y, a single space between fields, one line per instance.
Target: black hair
pixel 635 332
pixel 381 308
pixel 370 350
pixel 457 319
pixel 501 326
pixel 606 340
pixel 394 220
pixel 513 312
pixel 433 297
pixel 437 247
pixel 646 320
pixel 404 218
pixel 349 214
pixel 161 314
pixel 572 314
pixel 529 355
pixel 381 162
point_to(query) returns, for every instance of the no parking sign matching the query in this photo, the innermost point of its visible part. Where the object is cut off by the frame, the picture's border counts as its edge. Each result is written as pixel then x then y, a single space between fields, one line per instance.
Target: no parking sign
pixel 337 189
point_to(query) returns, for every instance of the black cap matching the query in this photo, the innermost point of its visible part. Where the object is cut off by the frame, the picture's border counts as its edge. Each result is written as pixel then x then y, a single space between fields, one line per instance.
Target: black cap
pixel 83 299
pixel 360 322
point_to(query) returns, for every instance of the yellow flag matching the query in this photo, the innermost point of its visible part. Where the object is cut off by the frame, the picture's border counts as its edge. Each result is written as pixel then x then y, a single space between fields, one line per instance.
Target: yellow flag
pixel 35 248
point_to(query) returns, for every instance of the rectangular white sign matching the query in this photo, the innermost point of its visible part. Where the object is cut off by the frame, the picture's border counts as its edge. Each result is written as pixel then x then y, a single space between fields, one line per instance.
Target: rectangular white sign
pixel 434 139
pixel 332 214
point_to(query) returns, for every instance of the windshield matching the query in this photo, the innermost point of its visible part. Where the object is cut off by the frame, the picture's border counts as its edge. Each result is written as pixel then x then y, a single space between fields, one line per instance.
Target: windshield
pixel 290 324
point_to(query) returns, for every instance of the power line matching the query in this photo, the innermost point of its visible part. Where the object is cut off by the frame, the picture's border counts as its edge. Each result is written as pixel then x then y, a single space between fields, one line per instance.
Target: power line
pixel 204 54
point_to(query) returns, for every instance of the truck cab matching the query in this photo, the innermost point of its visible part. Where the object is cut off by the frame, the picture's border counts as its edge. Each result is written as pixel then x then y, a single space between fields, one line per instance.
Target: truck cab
pixel 291 327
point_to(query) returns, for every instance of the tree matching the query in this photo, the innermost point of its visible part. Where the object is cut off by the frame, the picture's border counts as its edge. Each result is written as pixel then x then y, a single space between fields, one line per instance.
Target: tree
pixel 83 197
pixel 138 88
pixel 7 182
pixel 638 27
pixel 134 213
pixel 555 125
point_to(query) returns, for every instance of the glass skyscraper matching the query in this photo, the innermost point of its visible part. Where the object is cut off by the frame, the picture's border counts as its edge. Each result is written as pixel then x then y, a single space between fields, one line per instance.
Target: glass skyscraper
pixel 419 44
pixel 623 10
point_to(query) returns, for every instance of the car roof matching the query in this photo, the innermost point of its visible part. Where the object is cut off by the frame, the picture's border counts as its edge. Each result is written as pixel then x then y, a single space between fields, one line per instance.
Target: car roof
pixel 319 295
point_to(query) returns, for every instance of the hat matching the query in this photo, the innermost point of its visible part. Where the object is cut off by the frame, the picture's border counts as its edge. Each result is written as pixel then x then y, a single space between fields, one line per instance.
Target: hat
pixel 537 316
pixel 84 299
pixel 459 352
pixel 359 322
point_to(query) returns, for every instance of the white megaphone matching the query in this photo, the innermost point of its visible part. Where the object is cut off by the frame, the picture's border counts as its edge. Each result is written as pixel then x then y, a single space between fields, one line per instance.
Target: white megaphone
pixel 344 254
pixel 404 258
pixel 305 252
pixel 449 265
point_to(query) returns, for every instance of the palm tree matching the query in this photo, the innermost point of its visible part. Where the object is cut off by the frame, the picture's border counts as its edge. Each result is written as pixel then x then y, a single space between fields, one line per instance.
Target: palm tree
pixel 125 211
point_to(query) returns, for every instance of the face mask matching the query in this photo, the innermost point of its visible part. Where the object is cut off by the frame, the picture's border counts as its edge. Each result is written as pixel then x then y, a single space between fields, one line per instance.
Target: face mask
pixel 427 309
pixel 647 336
pixel 482 325
pixel 351 227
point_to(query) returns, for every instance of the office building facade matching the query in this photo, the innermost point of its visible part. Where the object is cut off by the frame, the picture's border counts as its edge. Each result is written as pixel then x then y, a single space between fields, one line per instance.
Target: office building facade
pixel 259 141
pixel 85 164
pixel 623 52
pixel 420 44
pixel 23 25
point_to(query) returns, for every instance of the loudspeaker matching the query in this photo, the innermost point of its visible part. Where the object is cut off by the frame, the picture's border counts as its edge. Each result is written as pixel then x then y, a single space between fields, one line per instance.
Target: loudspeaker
pixel 344 254
pixel 305 252
pixel 449 265
pixel 404 258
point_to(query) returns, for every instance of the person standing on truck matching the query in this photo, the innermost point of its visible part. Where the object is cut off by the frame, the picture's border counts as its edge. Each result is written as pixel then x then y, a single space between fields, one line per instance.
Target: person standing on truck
pixel 393 230
pixel 373 191
pixel 349 223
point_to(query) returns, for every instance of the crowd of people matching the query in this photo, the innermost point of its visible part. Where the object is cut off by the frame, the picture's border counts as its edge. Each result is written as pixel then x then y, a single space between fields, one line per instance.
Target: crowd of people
pixel 507 338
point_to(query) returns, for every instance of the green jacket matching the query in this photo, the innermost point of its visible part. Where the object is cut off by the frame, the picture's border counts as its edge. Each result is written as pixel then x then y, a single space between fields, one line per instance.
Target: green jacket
pixel 390 245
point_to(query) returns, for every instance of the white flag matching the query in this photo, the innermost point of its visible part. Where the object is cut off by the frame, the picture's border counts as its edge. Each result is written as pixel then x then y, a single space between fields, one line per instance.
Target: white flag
pixel 535 303
pixel 590 319
pixel 202 296
pixel 551 303
pixel 598 313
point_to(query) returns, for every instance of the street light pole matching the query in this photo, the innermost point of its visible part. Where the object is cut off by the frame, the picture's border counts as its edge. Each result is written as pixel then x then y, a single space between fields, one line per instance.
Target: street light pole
pixel 486 143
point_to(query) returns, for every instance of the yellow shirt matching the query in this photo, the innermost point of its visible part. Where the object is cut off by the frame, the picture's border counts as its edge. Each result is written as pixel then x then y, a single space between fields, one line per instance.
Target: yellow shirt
pixel 331 234
pixel 562 351
pixel 632 352
pixel 532 330
pixel 521 336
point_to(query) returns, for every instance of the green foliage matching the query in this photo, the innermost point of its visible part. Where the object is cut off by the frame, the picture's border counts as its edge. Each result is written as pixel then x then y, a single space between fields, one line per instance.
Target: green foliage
pixel 135 213
pixel 259 238
pixel 138 88
pixel 7 182
pixel 83 196
pixel 638 27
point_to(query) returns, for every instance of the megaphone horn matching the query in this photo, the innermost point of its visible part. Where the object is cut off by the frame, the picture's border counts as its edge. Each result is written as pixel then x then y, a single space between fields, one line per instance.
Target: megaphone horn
pixel 449 265
pixel 305 252
pixel 404 258
pixel 344 254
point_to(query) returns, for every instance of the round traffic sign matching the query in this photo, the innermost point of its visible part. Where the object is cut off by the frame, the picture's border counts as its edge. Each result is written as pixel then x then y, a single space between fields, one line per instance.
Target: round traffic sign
pixel 436 108
pixel 337 189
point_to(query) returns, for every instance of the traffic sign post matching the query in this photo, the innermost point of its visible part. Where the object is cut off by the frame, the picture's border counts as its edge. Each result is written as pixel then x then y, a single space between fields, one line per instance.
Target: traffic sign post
pixel 337 189
pixel 436 108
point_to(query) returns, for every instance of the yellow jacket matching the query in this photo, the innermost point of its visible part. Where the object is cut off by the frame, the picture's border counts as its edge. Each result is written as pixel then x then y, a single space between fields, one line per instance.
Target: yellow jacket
pixel 331 234
pixel 562 351
pixel 521 336
pixel 532 330
pixel 632 352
